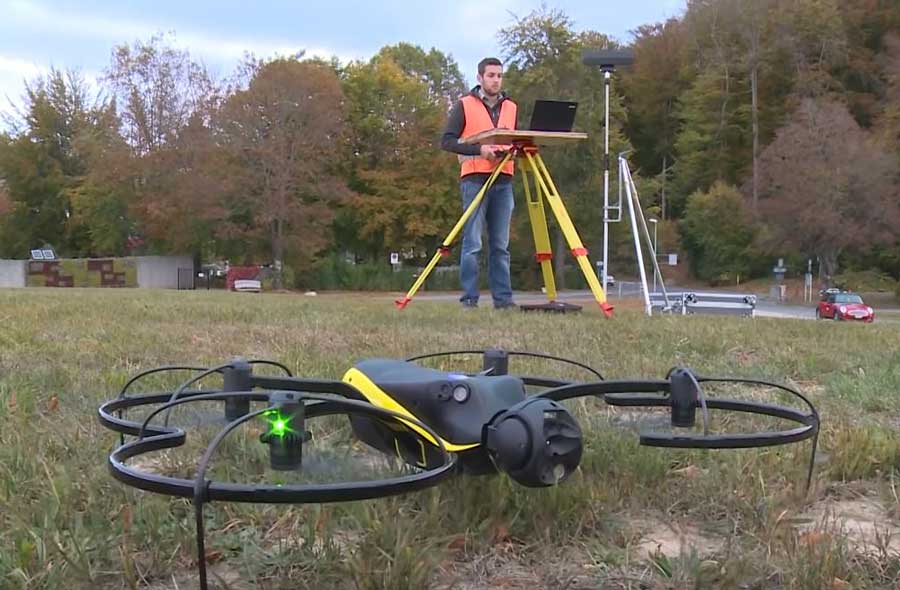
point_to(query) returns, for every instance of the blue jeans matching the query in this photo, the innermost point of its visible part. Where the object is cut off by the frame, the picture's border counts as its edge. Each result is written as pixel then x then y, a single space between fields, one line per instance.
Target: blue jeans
pixel 495 211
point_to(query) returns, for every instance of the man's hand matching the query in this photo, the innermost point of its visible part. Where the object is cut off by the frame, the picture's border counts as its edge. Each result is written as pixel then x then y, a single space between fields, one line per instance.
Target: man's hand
pixel 489 152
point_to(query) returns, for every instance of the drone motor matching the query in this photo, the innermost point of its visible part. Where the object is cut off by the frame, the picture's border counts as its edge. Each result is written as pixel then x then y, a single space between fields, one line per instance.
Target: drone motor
pixel 286 433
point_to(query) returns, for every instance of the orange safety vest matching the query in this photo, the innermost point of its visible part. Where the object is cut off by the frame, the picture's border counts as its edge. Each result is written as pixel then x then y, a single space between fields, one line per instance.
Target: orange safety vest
pixel 478 119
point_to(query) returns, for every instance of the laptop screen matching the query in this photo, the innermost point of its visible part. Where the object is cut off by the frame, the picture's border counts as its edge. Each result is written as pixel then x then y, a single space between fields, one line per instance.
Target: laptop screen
pixel 553 115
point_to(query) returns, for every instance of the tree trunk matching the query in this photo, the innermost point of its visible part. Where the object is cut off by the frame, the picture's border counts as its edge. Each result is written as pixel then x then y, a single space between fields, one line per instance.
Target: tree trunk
pixel 829 266
pixel 662 202
pixel 754 78
pixel 277 252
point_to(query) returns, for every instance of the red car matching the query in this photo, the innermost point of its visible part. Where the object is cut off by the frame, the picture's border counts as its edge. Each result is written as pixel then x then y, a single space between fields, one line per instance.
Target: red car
pixel 844 306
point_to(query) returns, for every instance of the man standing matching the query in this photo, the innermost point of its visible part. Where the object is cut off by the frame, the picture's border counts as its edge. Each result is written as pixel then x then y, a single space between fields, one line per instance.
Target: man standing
pixel 485 107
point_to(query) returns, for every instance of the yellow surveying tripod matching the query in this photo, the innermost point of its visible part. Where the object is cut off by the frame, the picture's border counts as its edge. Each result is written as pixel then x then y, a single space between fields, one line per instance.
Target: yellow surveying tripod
pixel 525 148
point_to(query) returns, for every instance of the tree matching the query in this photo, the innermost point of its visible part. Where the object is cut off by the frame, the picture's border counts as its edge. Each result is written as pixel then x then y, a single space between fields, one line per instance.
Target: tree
pixel 714 138
pixel 281 135
pixel 439 72
pixel 543 59
pixel 406 187
pixel 6 204
pixel 181 192
pixel 158 89
pixel 813 34
pixel 651 90
pixel 742 66
pixel 829 187
pixel 44 164
pixel 102 196
pixel 165 102
pixel 718 233
pixel 754 16
pixel 888 123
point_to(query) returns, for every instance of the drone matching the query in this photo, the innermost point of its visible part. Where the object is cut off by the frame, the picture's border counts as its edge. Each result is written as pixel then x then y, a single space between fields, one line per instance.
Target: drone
pixel 437 424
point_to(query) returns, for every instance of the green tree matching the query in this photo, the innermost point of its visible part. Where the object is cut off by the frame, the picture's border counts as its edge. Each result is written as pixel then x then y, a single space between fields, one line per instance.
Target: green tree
pixel 438 71
pixel 543 60
pixel 651 88
pixel 44 165
pixel 718 234
pixel 102 196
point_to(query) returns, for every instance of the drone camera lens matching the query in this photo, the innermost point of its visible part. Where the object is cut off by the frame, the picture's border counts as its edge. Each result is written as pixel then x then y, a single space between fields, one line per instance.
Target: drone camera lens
pixel 537 442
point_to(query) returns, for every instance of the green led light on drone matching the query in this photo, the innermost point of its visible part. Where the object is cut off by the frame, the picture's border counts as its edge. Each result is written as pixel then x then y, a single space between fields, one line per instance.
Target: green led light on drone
pixel 278 425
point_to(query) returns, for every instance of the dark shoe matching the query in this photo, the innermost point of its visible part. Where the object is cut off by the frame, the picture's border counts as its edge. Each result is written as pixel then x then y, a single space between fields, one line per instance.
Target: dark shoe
pixel 469 304
pixel 509 305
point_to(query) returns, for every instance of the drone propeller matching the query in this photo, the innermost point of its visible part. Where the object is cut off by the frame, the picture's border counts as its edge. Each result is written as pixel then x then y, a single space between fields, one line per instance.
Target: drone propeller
pixel 683 394
pixel 234 379
pixel 286 414
pixel 496 362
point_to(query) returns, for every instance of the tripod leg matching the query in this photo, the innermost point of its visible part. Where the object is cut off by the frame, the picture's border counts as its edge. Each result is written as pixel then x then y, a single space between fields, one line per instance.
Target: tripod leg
pixel 543 178
pixel 444 249
pixel 543 252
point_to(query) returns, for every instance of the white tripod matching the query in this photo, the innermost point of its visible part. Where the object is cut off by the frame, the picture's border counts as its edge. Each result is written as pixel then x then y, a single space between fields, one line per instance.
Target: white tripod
pixel 636 212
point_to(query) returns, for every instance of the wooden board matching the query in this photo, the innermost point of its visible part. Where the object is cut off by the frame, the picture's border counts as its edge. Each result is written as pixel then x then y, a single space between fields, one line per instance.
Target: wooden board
pixel 507 136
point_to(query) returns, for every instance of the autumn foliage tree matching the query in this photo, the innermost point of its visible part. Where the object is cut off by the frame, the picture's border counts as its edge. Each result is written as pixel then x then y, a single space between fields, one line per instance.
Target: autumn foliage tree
pixel 281 136
pixel 164 102
pixel 406 196
pixel 828 187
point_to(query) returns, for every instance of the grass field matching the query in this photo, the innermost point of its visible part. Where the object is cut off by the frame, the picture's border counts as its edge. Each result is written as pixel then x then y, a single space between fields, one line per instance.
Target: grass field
pixel 631 517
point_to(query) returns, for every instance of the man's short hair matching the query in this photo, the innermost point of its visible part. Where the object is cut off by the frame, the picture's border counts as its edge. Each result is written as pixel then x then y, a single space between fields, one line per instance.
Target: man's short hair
pixel 488 61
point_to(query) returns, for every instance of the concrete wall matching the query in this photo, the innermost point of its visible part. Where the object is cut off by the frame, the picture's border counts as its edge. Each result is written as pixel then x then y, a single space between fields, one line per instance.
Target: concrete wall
pixel 12 273
pixel 161 272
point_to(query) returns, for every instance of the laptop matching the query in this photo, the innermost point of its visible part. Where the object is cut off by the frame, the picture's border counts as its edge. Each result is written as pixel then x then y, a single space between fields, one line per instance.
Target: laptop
pixel 553 115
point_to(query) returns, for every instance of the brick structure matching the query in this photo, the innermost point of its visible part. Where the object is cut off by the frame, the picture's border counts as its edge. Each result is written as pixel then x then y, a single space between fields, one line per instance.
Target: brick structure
pixel 103 272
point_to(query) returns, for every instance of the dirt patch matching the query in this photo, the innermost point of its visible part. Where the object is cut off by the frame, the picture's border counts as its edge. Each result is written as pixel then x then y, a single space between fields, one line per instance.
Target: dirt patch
pixel 504 568
pixel 219 577
pixel 673 539
pixel 150 463
pixel 864 522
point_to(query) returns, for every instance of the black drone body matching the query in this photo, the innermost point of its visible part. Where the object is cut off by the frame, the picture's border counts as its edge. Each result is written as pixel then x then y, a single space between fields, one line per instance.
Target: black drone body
pixel 437 423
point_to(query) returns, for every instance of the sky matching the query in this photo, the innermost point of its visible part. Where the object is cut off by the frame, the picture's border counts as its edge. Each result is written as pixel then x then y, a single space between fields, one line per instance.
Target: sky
pixel 36 35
